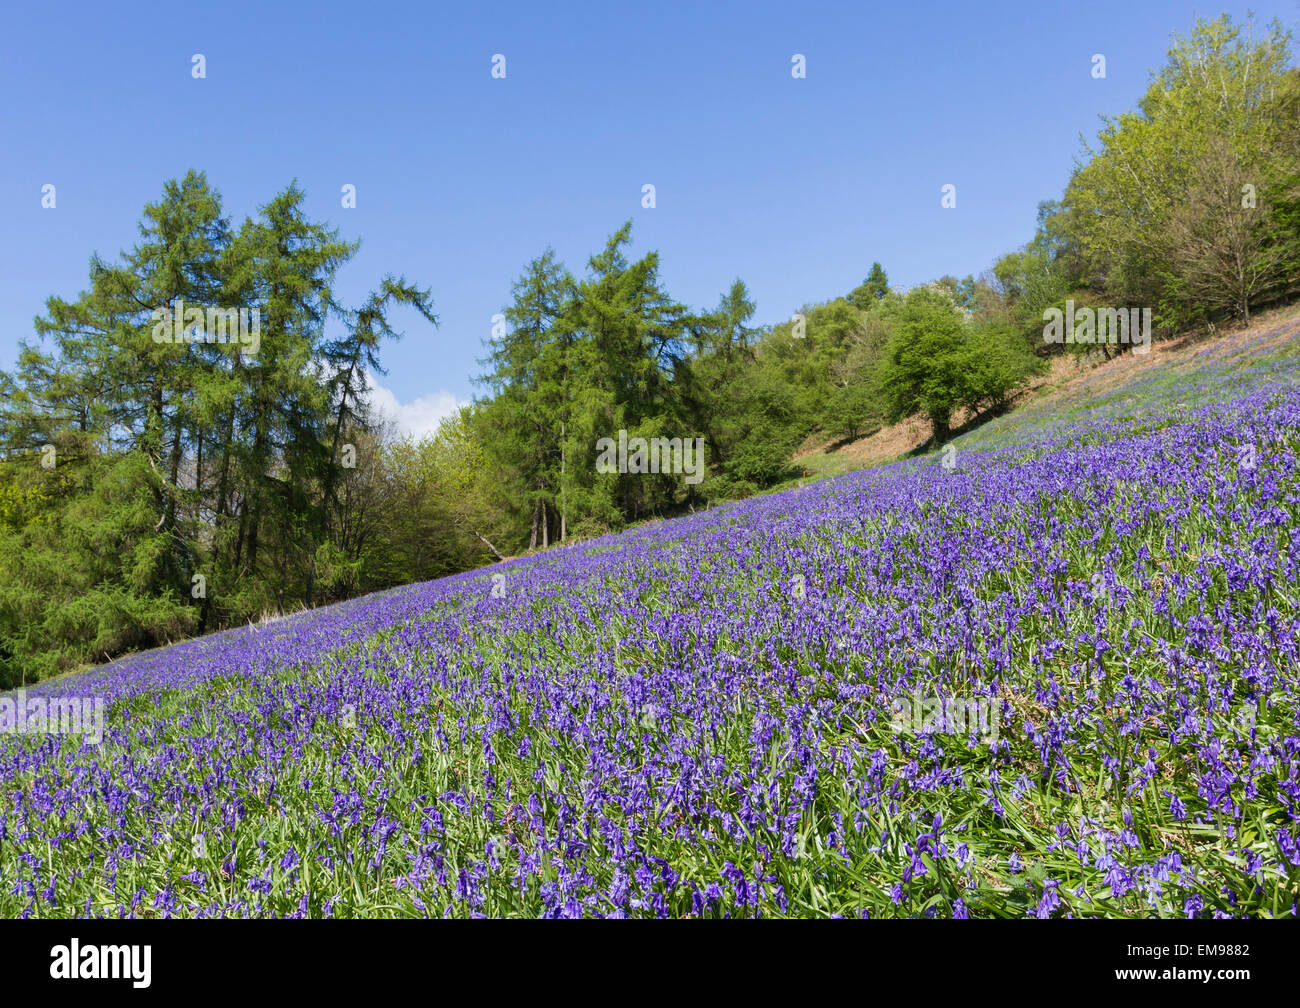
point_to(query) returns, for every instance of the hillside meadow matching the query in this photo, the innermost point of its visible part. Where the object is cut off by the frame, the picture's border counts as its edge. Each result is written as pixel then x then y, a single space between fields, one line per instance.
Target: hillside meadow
pixel 1050 673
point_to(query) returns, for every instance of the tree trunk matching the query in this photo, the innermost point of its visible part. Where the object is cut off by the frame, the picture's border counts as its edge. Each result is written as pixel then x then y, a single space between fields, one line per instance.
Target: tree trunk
pixel 483 539
pixel 563 516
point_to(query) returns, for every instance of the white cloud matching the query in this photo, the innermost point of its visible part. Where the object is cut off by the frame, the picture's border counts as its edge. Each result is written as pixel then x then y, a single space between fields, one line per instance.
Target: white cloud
pixel 417 418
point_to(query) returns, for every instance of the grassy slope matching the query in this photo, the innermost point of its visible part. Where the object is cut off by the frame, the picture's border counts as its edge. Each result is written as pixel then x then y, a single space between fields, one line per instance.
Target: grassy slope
pixel 464 709
pixel 1075 387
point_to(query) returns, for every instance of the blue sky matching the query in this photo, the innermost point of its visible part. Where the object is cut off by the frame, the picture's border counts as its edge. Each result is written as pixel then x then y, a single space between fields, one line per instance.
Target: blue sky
pixel 793 185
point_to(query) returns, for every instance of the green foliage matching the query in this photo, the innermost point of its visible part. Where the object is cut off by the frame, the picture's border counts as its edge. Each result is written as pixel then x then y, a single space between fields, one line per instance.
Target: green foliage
pixel 925 362
pixel 263 474
pixel 84 577
pixel 1160 213
pixel 851 411
pixel 872 289
pixel 1001 360
pixel 936 362
pixel 193 481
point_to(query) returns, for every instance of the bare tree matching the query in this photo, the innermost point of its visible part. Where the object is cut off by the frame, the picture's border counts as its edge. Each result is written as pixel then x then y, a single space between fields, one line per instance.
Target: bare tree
pixel 1222 250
